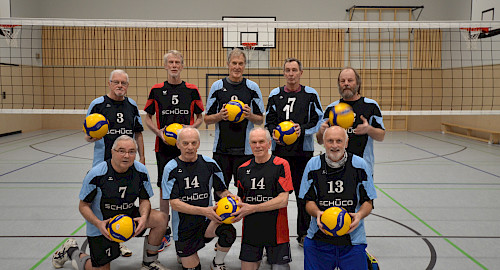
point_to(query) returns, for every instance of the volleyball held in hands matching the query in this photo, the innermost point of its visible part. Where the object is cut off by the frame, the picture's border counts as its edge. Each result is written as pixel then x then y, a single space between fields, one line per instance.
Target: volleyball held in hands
pixel 170 133
pixel 285 132
pixel 121 228
pixel 96 125
pixel 341 115
pixel 225 207
pixel 235 111
pixel 336 221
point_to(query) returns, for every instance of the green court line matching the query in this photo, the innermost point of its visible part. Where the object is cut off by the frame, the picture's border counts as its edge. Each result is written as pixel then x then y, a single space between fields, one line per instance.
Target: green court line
pixel 432 229
pixel 54 250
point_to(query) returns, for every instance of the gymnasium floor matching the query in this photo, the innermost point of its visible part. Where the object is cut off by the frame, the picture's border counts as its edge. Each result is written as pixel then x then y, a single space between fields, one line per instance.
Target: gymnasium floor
pixel 436 206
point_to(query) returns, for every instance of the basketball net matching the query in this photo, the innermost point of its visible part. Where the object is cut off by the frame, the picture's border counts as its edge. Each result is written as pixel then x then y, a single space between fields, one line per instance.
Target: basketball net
pixel 10 34
pixel 471 35
pixel 249 47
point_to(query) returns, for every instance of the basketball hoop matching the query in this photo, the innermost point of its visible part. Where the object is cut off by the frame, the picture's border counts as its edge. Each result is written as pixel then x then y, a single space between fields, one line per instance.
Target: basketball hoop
pixel 472 34
pixel 10 33
pixel 249 46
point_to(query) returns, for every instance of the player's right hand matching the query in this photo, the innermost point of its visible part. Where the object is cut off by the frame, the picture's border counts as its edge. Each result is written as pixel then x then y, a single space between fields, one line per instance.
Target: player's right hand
pixel 91 139
pixel 160 134
pixel 276 140
pixel 324 126
pixel 223 113
pixel 102 225
pixel 211 214
pixel 318 221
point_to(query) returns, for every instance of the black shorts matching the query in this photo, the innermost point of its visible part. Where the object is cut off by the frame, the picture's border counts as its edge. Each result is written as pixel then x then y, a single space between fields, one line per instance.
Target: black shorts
pixel 99 245
pixel 229 164
pixel 279 254
pixel 192 240
pixel 161 160
pixel 102 250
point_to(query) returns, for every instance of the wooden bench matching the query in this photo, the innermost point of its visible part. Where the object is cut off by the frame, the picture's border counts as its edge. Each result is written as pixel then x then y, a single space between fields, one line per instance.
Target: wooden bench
pixel 471 132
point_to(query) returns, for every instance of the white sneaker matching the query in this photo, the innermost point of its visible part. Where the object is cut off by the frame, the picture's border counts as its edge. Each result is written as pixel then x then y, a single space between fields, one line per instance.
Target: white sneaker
pixel 125 251
pixel 61 255
pixel 214 266
pixel 156 265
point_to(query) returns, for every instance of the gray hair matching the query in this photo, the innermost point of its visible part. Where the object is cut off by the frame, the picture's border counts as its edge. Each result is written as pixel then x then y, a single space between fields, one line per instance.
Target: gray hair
pixel 268 135
pixel 292 59
pixel 182 130
pixel 174 53
pixel 236 52
pixel 124 138
pixel 117 71
pixel 332 127
pixel 356 74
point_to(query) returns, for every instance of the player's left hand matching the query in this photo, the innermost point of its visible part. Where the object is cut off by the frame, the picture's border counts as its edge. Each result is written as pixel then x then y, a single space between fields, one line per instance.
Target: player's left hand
pixel 362 128
pixel 355 219
pixel 141 224
pixel 297 129
pixel 245 210
pixel 247 111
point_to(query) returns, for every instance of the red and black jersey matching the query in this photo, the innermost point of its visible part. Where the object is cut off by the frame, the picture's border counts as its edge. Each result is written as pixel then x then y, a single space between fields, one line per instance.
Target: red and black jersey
pixel 258 183
pixel 173 104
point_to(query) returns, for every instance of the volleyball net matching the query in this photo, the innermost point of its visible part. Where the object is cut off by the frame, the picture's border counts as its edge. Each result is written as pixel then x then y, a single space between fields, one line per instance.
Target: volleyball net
pixel 409 68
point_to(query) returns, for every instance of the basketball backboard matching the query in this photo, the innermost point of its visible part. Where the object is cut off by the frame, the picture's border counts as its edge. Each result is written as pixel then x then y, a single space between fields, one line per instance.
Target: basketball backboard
pixel 248 30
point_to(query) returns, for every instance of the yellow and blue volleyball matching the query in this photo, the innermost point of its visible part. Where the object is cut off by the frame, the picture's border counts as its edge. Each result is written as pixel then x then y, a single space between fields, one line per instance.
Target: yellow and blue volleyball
pixel 225 207
pixel 285 132
pixel 121 228
pixel 96 125
pixel 336 221
pixel 341 115
pixel 170 133
pixel 235 111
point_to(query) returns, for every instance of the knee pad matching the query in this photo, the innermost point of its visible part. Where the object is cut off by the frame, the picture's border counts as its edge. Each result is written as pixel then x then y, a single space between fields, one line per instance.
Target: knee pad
pixel 77 262
pixel 285 266
pixel 226 234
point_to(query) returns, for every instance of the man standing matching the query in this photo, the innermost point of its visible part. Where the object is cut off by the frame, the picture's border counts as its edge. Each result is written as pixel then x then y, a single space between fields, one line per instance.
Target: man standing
pixel 299 104
pixel 109 189
pixel 231 146
pixel 173 101
pixel 368 123
pixel 187 182
pixel 337 178
pixel 264 183
pixel 124 119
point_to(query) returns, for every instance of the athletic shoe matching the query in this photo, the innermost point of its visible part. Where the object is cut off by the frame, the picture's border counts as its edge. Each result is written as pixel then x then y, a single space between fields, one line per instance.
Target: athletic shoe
pixel 214 266
pixel 156 265
pixel 165 242
pixel 301 241
pixel 125 251
pixel 61 255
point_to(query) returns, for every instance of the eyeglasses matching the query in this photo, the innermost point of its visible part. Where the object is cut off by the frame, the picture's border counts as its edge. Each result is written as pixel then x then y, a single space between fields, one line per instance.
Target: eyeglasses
pixel 118 82
pixel 123 152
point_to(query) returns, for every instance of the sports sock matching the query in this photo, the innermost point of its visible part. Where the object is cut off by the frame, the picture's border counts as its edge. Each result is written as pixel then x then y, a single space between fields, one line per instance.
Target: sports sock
pixel 219 257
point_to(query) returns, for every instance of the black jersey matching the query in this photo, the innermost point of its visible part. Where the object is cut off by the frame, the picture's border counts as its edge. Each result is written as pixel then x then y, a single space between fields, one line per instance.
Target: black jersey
pixel 190 182
pixel 124 119
pixel 361 145
pixel 347 187
pixel 231 138
pixel 303 108
pixel 258 183
pixel 173 104
pixel 111 193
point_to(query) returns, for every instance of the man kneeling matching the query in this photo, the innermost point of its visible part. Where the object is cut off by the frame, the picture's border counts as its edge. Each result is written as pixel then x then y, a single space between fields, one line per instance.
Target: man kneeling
pixel 111 188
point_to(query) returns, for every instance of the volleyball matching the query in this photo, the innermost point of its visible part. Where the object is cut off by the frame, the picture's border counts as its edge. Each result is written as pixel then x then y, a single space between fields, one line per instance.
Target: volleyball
pixel 170 133
pixel 285 132
pixel 121 228
pixel 336 221
pixel 225 207
pixel 235 111
pixel 341 115
pixel 95 125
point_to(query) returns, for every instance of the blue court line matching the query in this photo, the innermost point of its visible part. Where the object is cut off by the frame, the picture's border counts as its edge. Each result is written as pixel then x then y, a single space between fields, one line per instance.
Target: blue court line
pixel 45 159
pixel 458 162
